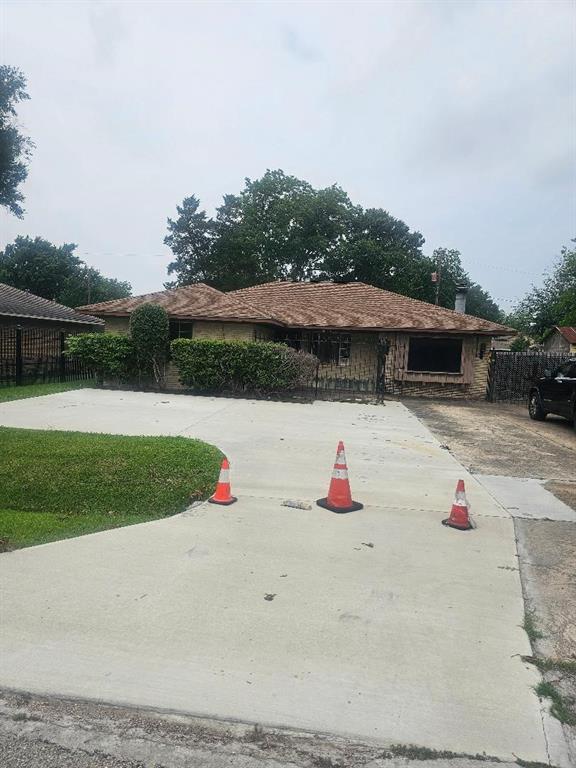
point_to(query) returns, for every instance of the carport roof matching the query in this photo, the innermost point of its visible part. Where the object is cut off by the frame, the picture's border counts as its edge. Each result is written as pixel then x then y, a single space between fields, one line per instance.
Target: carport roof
pixel 345 306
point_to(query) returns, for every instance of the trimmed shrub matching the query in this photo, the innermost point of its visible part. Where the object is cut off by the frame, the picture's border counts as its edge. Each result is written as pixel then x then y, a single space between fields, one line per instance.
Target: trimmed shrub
pixel 110 355
pixel 210 365
pixel 149 330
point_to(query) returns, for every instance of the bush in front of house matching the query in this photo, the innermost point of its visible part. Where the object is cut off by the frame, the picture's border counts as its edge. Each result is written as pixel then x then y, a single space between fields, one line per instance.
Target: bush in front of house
pixel 109 355
pixel 253 366
pixel 149 331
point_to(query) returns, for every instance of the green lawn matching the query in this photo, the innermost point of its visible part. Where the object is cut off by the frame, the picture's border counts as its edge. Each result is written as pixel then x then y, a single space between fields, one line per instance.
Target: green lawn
pixel 36 390
pixel 59 484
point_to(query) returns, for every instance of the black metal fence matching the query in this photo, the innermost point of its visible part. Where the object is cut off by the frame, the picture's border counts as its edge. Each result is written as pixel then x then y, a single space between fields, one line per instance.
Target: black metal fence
pixel 348 368
pixel 511 373
pixel 36 355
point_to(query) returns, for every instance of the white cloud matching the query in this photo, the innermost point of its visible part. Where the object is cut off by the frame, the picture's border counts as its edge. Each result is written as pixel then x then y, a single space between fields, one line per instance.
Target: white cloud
pixel 458 117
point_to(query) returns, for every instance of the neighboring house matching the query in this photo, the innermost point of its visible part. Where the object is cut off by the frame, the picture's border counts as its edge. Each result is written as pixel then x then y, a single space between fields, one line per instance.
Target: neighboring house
pixel 366 339
pixel 20 308
pixel 561 339
pixel 32 332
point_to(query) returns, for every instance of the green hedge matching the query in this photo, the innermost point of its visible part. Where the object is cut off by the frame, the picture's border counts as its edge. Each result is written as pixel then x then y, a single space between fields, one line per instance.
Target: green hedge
pixel 110 355
pixel 209 365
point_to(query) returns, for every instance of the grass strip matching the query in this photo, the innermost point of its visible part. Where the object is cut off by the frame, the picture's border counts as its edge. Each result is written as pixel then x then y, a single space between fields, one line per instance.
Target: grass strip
pixel 59 484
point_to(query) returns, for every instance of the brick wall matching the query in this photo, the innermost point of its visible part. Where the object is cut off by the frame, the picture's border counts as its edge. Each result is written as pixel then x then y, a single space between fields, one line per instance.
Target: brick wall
pixel 470 384
pixel 117 325
pixel 223 331
pixel 480 380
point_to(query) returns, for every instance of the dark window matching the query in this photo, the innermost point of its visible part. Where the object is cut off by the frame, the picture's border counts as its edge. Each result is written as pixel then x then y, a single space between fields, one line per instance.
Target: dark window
pixel 435 355
pixel 331 347
pixel 566 371
pixel 181 329
pixel 293 338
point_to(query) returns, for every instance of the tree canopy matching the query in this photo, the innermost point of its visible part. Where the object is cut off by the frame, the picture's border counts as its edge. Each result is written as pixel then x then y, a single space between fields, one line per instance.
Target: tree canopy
pixel 554 303
pixel 280 228
pixel 56 273
pixel 15 147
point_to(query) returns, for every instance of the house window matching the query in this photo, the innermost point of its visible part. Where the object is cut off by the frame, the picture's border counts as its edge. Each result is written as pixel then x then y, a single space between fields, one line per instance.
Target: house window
pixel 181 329
pixel 293 338
pixel 435 355
pixel 331 347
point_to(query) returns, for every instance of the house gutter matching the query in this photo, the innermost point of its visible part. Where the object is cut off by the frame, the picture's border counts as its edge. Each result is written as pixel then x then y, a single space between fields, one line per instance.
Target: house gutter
pixel 94 321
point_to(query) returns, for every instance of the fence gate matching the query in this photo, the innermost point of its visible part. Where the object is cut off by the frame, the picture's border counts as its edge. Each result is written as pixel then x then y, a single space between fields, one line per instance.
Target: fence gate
pixel 511 373
pixel 32 355
pixel 350 371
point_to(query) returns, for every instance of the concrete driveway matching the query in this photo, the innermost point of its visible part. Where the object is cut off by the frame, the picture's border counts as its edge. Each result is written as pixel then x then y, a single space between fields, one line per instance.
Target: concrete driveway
pixel 415 639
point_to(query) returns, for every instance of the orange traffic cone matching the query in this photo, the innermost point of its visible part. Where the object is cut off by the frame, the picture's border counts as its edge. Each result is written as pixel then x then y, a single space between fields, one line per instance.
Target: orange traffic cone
pixel 339 497
pixel 223 495
pixel 459 517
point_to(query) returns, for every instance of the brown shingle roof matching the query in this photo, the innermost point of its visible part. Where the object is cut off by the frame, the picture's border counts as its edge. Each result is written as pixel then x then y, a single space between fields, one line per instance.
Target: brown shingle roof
pixel 192 302
pixel 306 305
pixel 568 332
pixel 358 305
pixel 17 303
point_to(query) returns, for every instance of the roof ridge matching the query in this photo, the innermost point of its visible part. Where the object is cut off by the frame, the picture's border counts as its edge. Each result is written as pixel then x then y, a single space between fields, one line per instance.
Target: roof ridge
pixel 108 302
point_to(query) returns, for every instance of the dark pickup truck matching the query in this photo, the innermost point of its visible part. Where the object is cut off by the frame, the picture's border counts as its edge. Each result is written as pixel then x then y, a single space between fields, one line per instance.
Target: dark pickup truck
pixel 555 393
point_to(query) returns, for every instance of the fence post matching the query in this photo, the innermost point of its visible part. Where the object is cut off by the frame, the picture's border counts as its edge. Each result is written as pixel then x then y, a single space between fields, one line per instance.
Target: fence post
pixel 18 353
pixel 62 357
pixel 489 380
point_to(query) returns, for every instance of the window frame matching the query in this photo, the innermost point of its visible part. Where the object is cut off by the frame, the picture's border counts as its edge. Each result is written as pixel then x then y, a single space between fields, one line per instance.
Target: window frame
pixel 340 347
pixel 176 321
pixel 459 372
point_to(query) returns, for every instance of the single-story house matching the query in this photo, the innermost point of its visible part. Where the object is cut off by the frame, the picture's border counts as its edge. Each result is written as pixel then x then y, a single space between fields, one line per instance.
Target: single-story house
pixel 561 339
pixel 20 308
pixel 32 330
pixel 367 339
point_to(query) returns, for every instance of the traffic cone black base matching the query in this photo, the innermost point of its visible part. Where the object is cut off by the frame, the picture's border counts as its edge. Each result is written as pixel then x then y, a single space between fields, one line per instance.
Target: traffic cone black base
pixel 451 524
pixel 226 503
pixel 354 507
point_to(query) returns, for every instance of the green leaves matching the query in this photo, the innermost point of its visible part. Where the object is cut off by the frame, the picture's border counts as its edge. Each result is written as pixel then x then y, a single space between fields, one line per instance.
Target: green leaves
pixel 208 365
pixel 149 329
pixel 56 273
pixel 280 228
pixel 110 355
pixel 15 148
pixel 552 304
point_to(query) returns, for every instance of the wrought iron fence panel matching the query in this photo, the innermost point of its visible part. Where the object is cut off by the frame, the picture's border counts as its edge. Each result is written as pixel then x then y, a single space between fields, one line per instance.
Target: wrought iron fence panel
pixel 36 355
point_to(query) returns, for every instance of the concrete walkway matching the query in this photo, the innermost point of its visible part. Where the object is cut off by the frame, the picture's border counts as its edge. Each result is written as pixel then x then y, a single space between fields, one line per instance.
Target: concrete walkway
pixel 527 498
pixel 415 639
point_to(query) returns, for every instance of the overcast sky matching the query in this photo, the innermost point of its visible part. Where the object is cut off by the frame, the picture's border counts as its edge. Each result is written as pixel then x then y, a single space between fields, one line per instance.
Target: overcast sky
pixel 457 117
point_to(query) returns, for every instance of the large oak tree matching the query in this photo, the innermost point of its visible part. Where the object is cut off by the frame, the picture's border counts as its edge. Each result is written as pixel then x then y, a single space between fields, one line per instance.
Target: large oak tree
pixel 280 228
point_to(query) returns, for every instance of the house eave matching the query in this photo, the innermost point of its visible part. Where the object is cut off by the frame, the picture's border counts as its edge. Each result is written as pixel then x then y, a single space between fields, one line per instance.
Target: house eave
pixel 201 318
pixel 95 321
pixel 391 329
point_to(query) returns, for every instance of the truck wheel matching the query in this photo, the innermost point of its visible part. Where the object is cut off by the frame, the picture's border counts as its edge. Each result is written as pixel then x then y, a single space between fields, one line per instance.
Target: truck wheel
pixel 535 410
